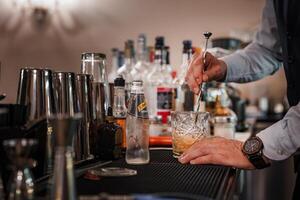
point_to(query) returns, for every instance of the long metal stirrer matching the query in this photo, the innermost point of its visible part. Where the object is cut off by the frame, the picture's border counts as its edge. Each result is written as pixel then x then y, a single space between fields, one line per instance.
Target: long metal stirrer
pixel 207 36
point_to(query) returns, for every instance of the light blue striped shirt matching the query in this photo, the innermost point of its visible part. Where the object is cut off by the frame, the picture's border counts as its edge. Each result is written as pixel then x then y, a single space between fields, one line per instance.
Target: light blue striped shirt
pixel 261 58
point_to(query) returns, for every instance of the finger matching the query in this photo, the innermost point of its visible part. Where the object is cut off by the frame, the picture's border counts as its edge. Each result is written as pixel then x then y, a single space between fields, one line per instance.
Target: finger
pixel 198 68
pixel 196 150
pixel 211 74
pixel 192 84
pixel 207 159
pixel 213 68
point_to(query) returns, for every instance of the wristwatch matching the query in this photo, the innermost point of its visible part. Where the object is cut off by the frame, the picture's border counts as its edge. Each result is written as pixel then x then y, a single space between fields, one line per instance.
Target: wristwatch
pixel 252 148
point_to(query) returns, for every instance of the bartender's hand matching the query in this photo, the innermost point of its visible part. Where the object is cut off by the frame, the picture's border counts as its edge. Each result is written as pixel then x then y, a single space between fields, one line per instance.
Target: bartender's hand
pixel 215 69
pixel 217 151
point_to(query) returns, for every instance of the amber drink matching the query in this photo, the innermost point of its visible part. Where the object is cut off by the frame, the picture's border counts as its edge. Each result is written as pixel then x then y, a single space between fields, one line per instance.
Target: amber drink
pixel 187 128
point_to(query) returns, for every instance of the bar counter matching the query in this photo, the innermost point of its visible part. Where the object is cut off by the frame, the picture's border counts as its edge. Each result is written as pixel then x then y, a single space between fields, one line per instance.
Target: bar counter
pixel 163 177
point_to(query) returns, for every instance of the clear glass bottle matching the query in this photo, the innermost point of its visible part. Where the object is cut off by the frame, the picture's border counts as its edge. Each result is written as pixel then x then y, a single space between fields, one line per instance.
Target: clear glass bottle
pixel 159 84
pixel 125 70
pixel 95 64
pixel 154 77
pixel 115 65
pixel 166 60
pixel 184 99
pixel 137 127
pixel 140 69
pixel 119 108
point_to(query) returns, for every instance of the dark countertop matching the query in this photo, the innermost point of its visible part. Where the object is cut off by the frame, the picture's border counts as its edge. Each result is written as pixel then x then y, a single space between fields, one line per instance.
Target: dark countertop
pixel 164 176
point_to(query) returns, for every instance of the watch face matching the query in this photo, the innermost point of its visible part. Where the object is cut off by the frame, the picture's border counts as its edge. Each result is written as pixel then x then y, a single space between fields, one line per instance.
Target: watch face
pixel 252 146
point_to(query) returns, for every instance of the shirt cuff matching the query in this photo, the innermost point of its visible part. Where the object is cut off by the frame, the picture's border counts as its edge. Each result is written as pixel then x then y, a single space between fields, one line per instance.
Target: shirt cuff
pixel 277 144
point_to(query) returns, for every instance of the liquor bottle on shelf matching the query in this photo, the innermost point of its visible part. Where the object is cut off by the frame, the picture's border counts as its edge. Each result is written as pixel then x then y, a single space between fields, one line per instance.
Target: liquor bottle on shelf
pixel 108 138
pixel 166 59
pixel 119 108
pixel 151 55
pixel 114 66
pixel 184 96
pixel 121 59
pixel 137 127
pixel 159 85
pixel 141 67
pixel 125 70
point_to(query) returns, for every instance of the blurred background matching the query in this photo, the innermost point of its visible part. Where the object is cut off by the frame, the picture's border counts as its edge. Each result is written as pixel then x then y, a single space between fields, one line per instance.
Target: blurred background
pixel 56 35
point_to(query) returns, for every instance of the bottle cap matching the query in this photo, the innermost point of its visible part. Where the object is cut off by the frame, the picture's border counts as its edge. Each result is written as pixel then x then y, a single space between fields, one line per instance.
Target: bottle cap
pixel 159 42
pixel 119 81
pixel 187 44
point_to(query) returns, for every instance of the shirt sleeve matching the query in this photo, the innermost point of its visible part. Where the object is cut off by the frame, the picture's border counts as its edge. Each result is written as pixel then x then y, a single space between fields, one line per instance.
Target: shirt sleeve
pixel 260 58
pixel 282 139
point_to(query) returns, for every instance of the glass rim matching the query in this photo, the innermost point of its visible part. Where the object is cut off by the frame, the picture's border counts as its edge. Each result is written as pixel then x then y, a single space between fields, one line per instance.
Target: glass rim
pixel 88 55
pixel 189 112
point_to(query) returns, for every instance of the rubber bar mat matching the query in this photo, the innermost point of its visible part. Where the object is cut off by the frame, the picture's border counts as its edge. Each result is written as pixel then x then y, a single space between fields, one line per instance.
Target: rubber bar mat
pixel 164 174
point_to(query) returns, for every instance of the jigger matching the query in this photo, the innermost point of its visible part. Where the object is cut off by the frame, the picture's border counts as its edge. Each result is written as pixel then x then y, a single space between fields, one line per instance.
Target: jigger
pixel 64 129
pixel 21 185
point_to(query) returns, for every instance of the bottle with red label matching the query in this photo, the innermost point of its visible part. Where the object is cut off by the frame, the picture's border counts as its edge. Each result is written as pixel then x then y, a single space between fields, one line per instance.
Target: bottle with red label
pixel 159 84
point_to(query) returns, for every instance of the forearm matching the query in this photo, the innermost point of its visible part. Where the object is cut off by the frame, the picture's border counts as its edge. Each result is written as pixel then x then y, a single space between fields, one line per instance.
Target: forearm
pixel 250 64
pixel 282 139
pixel 260 58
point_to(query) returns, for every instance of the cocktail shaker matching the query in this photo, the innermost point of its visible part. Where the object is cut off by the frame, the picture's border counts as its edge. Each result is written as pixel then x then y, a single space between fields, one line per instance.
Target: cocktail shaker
pixel 35 91
pixel 67 103
pixel 84 94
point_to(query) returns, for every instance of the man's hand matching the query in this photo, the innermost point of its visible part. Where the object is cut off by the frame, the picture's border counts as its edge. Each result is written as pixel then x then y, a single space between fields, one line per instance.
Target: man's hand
pixel 217 151
pixel 198 72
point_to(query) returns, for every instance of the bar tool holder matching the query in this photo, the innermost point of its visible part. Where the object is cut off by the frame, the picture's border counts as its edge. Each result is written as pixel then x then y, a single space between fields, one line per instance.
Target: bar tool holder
pixel 64 128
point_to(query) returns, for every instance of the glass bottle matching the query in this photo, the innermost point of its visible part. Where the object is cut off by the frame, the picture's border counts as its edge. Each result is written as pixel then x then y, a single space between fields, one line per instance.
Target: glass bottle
pixel 141 67
pixel 154 77
pixel 151 54
pixel 95 64
pixel 137 127
pixel 115 65
pixel 184 99
pixel 119 108
pixel 125 70
pixel 224 120
pixel 160 87
pixel 166 60
pixel 108 139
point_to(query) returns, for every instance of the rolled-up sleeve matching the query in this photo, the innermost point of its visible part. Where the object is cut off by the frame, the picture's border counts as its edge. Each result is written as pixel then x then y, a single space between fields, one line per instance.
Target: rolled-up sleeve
pixel 260 58
pixel 282 139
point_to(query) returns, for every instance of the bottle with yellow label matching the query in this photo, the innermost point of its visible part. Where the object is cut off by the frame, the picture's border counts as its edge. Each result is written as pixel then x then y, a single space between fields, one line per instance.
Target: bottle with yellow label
pixel 137 126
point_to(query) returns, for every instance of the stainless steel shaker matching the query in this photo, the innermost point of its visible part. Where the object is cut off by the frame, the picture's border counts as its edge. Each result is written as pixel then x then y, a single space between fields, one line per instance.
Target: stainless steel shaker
pixel 30 93
pixel 35 91
pixel 67 103
pixel 95 64
pixel 84 94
